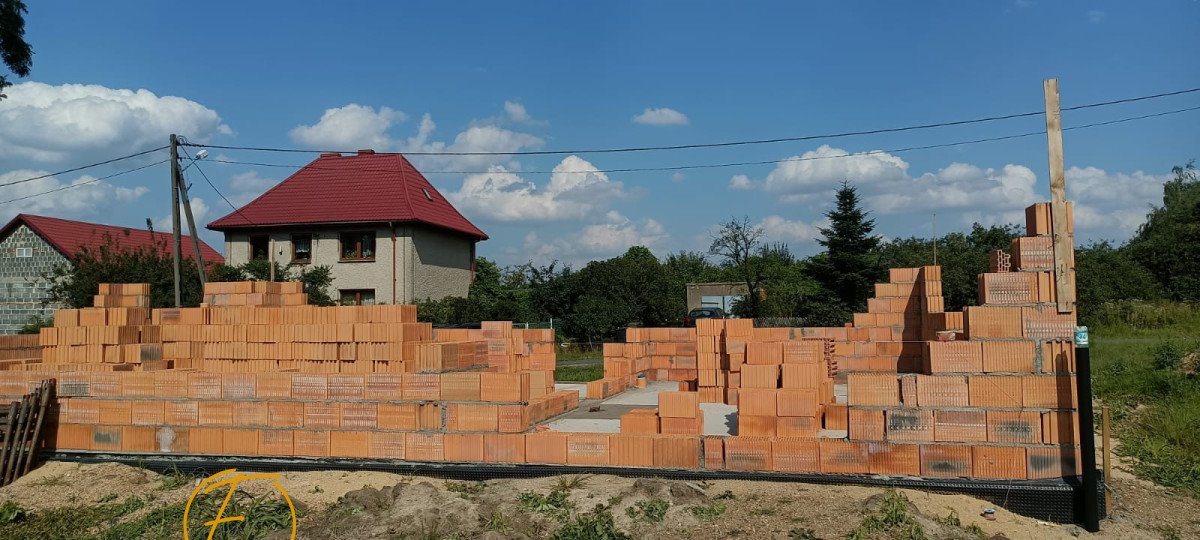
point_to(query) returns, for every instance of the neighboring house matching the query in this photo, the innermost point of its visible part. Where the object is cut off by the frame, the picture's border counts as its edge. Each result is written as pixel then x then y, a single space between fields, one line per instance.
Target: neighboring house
pixel 31 246
pixel 387 234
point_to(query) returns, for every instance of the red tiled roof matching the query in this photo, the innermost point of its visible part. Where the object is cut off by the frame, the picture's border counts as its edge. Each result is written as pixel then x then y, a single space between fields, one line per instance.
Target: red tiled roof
pixel 68 237
pixel 356 188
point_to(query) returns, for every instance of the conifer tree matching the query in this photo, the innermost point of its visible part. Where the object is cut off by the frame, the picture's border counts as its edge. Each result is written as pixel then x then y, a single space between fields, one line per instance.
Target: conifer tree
pixel 850 267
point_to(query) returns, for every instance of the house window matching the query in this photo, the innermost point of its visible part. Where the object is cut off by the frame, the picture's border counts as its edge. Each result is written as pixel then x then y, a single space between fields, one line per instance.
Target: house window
pixel 301 248
pixel 358 246
pixel 260 247
pixel 357 297
pixel 24 252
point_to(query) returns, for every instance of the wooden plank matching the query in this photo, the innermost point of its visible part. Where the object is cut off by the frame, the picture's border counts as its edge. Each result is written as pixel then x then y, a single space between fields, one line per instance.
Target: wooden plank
pixel 1064 250
pixel 43 402
pixel 7 438
pixel 16 436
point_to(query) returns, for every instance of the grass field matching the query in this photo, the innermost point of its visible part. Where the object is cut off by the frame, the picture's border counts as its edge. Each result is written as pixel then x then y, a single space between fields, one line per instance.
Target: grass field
pixel 584 373
pixel 1144 366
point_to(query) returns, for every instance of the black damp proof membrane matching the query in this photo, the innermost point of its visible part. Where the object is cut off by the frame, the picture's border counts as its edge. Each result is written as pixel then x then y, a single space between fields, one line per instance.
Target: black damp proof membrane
pixel 1056 500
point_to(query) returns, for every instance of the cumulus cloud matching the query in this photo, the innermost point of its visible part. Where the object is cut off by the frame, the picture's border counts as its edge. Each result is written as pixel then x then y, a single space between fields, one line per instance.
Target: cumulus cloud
pixel 350 127
pixel 45 123
pixel 959 185
pixel 741 182
pixel 662 116
pixel 200 213
pixel 821 170
pixel 609 238
pixel 779 228
pixel 576 190
pixel 1112 205
pixel 247 186
pixel 89 199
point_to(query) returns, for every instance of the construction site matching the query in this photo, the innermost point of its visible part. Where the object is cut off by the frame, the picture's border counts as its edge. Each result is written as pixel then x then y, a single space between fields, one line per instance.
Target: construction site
pixel 981 401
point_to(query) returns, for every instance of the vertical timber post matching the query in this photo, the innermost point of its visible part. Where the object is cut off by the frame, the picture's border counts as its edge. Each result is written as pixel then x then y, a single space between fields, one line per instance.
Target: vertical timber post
pixel 175 238
pixel 1064 257
pixel 187 210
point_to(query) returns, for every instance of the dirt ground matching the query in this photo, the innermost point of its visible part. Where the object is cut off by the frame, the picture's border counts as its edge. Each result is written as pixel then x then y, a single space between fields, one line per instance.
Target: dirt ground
pixel 336 504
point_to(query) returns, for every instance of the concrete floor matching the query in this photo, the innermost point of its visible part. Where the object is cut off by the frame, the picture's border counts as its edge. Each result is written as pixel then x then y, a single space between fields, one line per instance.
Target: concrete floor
pixel 604 416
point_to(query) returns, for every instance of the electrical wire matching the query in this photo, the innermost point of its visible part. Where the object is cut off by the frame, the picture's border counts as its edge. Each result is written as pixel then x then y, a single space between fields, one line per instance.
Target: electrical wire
pixel 731 143
pixel 92 181
pixel 97 164
pixel 740 163
pixel 196 163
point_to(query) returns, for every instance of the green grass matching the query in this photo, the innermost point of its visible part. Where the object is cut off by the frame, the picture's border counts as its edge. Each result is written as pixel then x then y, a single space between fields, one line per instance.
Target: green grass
pixel 650 511
pixel 893 518
pixel 708 512
pixel 1143 369
pixel 586 373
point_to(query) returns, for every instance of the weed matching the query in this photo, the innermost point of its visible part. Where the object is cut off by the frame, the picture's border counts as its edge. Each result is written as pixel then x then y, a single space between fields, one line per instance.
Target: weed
pixel 497 522
pixel 569 483
pixel 894 517
pixel 727 496
pixel 762 511
pixel 11 513
pixel 649 511
pixel 803 534
pixel 708 512
pixel 950 520
pixel 107 498
pixel 466 490
pixel 1169 533
pixel 596 524
pixel 175 479
pixel 555 504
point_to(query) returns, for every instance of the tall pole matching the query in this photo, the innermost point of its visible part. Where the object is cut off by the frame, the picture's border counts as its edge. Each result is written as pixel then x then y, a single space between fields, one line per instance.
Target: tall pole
pixel 187 210
pixel 1087 437
pixel 176 241
pixel 1064 250
pixel 935 238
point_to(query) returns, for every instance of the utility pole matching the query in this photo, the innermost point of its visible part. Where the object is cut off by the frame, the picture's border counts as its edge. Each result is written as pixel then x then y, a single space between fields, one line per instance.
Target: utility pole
pixel 1064 258
pixel 176 241
pixel 187 210
pixel 935 238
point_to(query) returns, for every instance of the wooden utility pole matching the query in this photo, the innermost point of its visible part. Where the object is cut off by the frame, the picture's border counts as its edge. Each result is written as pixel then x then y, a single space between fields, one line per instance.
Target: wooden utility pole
pixel 1064 258
pixel 187 210
pixel 176 241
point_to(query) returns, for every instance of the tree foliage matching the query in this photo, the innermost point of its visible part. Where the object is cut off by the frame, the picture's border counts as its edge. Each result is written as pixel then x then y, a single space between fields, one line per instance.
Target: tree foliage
pixel 1168 243
pixel 850 267
pixel 740 247
pixel 316 280
pixel 14 50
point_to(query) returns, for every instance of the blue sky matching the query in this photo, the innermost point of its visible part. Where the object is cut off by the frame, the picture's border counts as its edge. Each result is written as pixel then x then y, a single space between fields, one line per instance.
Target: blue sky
pixel 110 79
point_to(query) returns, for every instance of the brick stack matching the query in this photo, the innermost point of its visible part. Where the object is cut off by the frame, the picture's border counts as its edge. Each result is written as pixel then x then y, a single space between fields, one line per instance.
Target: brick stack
pixel 123 295
pixel 255 293
pixel 19 349
pixel 99 339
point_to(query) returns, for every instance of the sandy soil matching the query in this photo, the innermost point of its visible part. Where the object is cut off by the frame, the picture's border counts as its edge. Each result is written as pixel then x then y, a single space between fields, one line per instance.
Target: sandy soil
pixel 337 504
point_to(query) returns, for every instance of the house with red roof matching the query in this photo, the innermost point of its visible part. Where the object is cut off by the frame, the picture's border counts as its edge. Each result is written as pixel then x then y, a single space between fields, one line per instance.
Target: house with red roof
pixel 387 234
pixel 32 246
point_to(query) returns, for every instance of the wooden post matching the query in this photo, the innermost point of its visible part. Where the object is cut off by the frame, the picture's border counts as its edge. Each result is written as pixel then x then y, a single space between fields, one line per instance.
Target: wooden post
pixel 1064 259
pixel 187 210
pixel 1107 457
pixel 9 429
pixel 43 405
pixel 176 241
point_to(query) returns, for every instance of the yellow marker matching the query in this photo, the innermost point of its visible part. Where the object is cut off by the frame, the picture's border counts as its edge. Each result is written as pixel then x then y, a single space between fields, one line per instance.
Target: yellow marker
pixel 212 483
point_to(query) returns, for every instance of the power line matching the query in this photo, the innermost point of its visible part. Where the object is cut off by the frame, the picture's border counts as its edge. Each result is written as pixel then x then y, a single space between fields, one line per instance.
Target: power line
pixel 92 181
pixel 742 163
pixel 97 164
pixel 733 143
pixel 196 162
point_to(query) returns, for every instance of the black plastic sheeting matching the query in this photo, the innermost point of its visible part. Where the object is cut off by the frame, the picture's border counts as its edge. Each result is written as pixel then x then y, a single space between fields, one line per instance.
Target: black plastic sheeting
pixel 1054 501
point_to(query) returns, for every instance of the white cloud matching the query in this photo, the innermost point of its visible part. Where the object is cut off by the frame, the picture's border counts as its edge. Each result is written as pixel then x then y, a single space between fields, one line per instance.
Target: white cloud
pixel 661 117
pixel 741 182
pixel 678 177
pixel 778 228
pixel 598 241
pixel 46 123
pixel 823 169
pixel 350 127
pixel 576 190
pixel 247 186
pixel 958 185
pixel 1112 205
pixel 91 199
pixel 1094 16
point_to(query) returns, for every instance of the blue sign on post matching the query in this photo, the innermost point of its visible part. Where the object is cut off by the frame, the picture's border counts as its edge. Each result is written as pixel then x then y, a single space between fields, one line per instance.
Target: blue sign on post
pixel 1081 336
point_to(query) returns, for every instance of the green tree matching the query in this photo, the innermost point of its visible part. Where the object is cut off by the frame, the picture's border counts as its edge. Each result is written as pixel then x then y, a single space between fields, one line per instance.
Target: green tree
pixel 630 290
pixel 1168 243
pixel 736 243
pixel 76 283
pixel 850 269
pixel 14 50
pixel 1105 274
pixel 962 256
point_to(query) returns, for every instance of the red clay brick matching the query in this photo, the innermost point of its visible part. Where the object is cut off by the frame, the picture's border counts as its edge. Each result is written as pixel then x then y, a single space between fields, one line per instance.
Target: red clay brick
pixel 836 416
pixel 632 450
pixel 1045 322
pixel 909 425
pixel 1014 427
pixel 748 453
pixel 795 454
pixel 386 444
pixel 1044 391
pixel 546 447
pixel 873 389
pixel 587 449
pixel 678 404
pixel 504 448
pixel 756 426
pixel 996 391
pixel 943 390
pixel 998 462
pixel 240 442
pixel 1054 462
pixel 351 444
pixel 424 446
pixel 797 426
pixel 796 402
pixel 1008 356
pixel 866 424
pixel 954 356
pixel 944 461
pixel 992 322
pixel 466 447
pixel 676 452
pixel 310 443
pixel 838 456
pixel 960 426
pixel 276 442
pixel 1060 427
pixel 714 453
pixel 401 416
pixel 894 459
